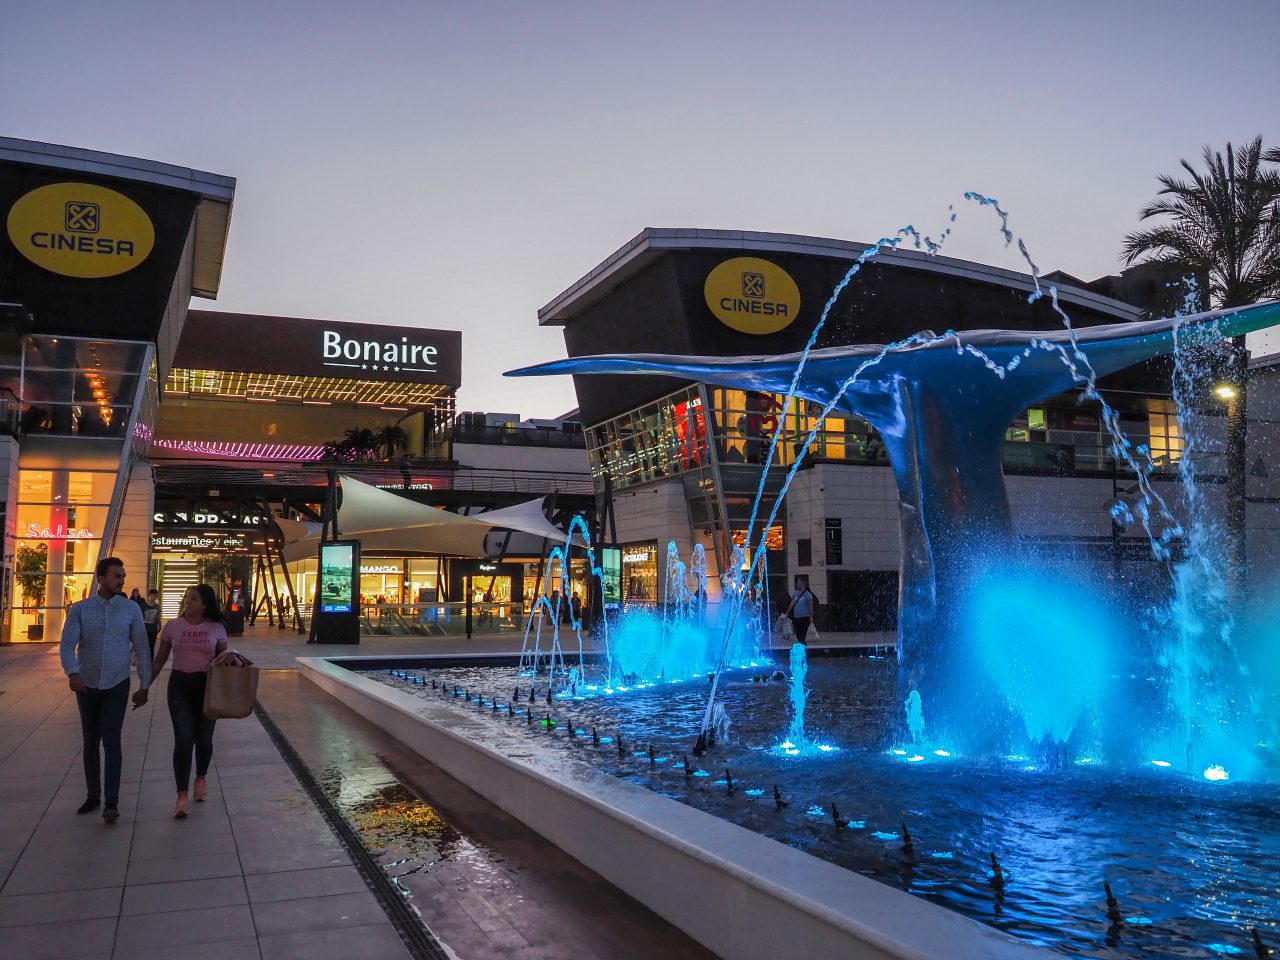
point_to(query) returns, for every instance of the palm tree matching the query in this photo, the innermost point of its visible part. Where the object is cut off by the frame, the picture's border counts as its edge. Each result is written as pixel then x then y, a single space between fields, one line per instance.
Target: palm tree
pixel 361 442
pixel 1223 227
pixel 391 439
pixel 1223 224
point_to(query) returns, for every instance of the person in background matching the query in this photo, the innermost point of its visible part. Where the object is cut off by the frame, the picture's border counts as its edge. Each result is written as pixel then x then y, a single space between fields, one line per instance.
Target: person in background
pixel 151 620
pixel 575 607
pixel 136 596
pixel 196 638
pixel 801 608
pixel 98 637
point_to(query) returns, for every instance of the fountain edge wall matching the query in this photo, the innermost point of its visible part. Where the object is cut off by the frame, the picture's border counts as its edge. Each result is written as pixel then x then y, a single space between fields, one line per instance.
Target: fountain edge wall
pixel 740 894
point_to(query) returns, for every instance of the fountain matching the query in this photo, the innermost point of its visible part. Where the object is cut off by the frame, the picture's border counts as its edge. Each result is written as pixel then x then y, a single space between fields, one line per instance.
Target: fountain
pixel 1000 701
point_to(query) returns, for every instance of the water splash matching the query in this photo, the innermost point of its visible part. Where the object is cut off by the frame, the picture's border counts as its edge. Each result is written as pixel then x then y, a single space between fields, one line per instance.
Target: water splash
pixel 915 718
pixel 799 695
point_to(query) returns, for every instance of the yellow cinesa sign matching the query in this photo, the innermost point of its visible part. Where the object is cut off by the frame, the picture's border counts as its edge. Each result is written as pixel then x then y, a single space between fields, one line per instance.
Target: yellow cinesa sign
pixel 752 295
pixel 81 230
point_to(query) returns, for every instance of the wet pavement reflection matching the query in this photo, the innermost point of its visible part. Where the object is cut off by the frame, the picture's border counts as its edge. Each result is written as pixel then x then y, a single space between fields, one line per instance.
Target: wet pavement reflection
pixel 483 882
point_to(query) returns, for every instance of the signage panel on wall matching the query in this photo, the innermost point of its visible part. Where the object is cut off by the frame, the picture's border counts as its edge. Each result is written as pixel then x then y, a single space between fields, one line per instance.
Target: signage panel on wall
pixel 835 542
pixel 80 230
pixel 752 295
pixel 320 348
pixel 199 540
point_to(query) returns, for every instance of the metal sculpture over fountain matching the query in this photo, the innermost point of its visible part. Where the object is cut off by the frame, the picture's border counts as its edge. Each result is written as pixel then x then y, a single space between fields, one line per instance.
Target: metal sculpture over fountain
pixel 942 404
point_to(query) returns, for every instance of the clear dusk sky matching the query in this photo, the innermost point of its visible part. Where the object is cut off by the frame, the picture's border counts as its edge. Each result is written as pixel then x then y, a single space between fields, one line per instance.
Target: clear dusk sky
pixel 458 165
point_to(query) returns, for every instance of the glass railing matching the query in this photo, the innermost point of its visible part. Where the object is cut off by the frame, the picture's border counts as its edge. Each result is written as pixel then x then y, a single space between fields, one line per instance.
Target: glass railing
pixel 448 619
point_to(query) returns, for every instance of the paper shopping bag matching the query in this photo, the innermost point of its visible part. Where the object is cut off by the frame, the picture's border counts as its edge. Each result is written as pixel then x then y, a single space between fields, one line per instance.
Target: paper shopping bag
pixel 230 691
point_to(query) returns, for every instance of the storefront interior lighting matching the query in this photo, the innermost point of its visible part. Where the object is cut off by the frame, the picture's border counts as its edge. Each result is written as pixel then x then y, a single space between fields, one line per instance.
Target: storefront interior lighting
pixel 1225 391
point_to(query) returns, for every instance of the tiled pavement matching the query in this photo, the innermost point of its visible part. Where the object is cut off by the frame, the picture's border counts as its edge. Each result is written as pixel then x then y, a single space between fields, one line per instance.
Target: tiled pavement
pixel 253 872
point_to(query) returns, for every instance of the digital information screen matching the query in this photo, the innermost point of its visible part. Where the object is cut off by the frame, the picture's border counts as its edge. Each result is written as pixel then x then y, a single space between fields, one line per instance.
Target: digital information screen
pixel 337 577
pixel 611 577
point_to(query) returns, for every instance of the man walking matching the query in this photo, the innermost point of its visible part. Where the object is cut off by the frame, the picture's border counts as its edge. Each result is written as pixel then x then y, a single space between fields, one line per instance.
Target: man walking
pixel 100 633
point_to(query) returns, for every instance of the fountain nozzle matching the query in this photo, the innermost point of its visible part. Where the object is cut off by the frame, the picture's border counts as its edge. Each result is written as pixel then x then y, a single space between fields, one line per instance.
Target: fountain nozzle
pixel 1113 906
pixel 595 737
pixel 621 747
pixel 835 816
pixel 1260 949
pixel 778 802
pixel 688 770
pixel 511 709
pixel 528 718
pixel 908 847
pixel 700 747
pixel 728 782
pixel 997 874
pixel 549 701
pixel 652 759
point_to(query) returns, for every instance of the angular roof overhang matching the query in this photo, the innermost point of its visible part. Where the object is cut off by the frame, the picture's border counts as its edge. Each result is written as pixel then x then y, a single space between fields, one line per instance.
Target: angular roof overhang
pixel 652 242
pixel 213 214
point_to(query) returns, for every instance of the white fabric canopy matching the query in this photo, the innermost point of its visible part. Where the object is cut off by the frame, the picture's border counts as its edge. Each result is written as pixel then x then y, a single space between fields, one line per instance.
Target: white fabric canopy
pixel 382 520
pixel 528 518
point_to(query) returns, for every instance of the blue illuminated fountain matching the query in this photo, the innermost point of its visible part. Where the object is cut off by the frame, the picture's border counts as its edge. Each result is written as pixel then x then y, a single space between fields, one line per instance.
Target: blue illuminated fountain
pixel 942 404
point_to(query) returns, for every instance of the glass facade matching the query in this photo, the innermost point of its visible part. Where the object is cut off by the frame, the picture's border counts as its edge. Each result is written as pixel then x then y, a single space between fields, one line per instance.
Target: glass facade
pixel 58 524
pixel 71 386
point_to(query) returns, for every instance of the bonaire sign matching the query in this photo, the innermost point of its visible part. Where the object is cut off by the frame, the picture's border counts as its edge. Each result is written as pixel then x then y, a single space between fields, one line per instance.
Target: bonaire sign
pixel 353 352
pixel 300 346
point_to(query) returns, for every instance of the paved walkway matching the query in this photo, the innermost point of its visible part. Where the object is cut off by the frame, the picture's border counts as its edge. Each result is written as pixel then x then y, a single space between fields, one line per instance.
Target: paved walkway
pixel 254 872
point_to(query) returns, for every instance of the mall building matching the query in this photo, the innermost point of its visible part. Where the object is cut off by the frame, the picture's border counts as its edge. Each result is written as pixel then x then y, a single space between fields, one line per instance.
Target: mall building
pixel 681 461
pixel 179 439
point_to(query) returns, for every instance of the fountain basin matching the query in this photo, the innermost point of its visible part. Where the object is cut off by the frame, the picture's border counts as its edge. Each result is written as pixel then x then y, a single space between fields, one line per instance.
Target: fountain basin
pixel 740 894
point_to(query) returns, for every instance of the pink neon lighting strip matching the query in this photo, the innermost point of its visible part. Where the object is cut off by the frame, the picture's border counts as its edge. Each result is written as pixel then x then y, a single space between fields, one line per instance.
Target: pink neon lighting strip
pixel 244 451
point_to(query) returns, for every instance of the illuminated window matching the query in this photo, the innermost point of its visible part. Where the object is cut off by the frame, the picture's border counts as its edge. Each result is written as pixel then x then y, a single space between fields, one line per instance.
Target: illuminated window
pixel 1167 442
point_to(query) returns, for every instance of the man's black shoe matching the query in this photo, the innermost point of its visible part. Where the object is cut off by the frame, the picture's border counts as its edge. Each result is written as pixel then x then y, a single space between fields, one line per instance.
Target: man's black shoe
pixel 111 814
pixel 88 806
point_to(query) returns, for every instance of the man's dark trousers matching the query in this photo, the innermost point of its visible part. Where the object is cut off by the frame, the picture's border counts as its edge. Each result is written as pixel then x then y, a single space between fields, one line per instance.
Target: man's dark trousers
pixel 101 720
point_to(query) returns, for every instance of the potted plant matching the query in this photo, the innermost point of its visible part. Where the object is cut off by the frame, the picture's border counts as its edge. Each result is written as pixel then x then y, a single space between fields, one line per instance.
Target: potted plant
pixel 30 567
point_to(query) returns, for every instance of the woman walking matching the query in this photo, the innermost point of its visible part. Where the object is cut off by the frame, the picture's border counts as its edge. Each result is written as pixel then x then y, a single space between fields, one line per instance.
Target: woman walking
pixel 196 637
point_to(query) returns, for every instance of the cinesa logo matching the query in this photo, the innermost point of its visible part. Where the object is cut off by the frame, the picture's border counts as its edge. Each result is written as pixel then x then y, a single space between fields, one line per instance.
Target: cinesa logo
pixel 81 230
pixel 340 351
pixel 752 295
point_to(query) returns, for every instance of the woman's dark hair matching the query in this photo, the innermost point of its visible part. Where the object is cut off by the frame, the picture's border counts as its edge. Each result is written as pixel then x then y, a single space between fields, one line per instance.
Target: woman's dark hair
pixel 212 608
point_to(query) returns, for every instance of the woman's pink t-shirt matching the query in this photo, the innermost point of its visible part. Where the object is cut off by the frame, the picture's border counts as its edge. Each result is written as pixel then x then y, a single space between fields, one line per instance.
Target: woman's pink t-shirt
pixel 194 644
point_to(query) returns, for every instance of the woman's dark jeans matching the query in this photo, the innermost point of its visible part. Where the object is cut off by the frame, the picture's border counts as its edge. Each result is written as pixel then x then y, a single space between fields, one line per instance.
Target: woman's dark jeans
pixel 191 729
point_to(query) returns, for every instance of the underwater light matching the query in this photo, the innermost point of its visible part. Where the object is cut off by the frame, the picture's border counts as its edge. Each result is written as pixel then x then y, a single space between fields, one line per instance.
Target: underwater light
pixel 1162 763
pixel 941 753
pixel 916 759
pixel 825 748
pixel 898 753
pixel 787 745
pixel 1224 948
pixel 1084 761
pixel 1216 772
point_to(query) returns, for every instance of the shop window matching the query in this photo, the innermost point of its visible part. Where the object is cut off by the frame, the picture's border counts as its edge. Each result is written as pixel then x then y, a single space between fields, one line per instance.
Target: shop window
pixel 1167 442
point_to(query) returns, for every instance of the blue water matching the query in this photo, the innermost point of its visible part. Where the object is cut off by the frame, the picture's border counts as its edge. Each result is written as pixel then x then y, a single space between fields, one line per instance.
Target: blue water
pixel 1198 859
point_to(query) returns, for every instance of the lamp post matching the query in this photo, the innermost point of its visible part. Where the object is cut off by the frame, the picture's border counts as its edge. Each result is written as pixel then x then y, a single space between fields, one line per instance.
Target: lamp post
pixel 1231 393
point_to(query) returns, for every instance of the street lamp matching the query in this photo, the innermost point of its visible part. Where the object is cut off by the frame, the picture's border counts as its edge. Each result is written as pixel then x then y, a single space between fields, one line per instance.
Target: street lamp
pixel 1231 394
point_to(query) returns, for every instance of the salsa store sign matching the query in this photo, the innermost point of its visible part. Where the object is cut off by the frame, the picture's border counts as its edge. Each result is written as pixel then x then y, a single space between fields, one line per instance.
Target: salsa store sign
pixel 199 540
pixel 319 348
pixel 80 230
